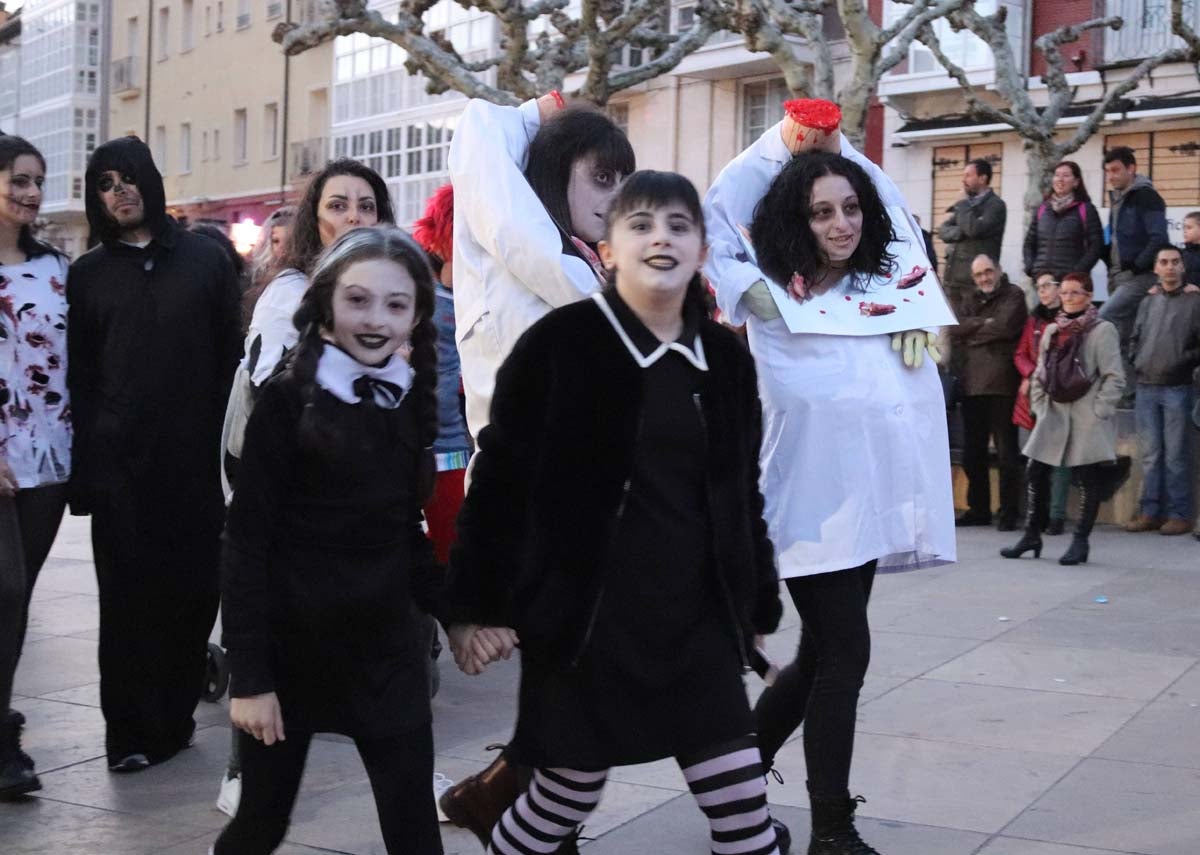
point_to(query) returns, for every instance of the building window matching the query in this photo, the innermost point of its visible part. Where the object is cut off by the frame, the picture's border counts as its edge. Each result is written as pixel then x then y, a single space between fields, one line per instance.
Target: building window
pixel 243 14
pixel 160 148
pixel 762 106
pixel 164 29
pixel 186 38
pixel 132 37
pixel 274 9
pixel 1171 159
pixel 239 136
pixel 185 147
pixel 220 15
pixel 203 146
pixel 216 150
pixel 208 20
pixel 270 131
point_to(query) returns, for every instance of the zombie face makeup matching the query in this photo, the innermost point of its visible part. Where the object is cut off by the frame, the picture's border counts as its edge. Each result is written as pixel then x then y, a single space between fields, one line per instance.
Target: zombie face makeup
pixel 590 192
pixel 835 218
pixel 374 306
pixel 122 199
pixel 21 190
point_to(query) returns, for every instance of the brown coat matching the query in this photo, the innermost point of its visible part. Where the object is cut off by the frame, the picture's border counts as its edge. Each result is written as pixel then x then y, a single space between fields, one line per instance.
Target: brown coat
pixel 1082 431
pixel 988 330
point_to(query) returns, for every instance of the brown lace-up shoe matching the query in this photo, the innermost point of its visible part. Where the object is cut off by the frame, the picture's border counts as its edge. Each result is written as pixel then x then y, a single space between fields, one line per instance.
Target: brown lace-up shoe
pixel 1171 527
pixel 1143 523
pixel 477 803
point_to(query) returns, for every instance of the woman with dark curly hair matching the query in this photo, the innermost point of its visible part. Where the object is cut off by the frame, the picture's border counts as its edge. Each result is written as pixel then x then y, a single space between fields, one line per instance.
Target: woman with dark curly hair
pixel 855 472
pixel 325 560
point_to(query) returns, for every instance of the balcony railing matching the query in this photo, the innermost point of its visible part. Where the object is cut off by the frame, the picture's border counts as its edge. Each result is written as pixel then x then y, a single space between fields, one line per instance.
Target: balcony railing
pixel 126 80
pixel 307 156
pixel 1147 29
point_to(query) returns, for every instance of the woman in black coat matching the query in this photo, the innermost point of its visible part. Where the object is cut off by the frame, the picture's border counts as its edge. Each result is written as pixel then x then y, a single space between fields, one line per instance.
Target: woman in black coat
pixel 614 522
pixel 1065 234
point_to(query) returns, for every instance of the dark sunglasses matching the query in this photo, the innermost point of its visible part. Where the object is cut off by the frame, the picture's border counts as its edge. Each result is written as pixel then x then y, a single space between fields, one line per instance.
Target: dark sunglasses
pixel 105 182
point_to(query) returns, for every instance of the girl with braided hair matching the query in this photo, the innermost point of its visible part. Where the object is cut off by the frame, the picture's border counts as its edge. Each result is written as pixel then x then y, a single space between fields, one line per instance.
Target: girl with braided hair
pixel 325 562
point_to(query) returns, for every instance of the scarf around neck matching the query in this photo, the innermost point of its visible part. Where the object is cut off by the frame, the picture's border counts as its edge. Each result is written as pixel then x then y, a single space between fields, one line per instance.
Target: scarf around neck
pixel 1060 203
pixel 1069 326
pixel 348 380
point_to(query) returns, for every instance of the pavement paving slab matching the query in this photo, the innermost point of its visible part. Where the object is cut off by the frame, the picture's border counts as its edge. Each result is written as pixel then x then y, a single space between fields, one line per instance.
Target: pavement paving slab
pixel 1005 712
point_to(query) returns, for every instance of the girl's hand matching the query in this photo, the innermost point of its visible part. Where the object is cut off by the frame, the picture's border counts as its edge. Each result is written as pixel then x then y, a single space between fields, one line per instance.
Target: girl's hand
pixel 491 643
pixel 461 636
pixel 8 481
pixel 260 716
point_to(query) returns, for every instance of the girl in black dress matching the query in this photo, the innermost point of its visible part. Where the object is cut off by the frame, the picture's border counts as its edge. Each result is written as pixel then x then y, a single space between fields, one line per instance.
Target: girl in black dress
pixel 615 524
pixel 325 560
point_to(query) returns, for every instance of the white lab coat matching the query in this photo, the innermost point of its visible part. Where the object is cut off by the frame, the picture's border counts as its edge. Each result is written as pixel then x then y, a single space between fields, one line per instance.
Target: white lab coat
pixel 855 458
pixel 509 267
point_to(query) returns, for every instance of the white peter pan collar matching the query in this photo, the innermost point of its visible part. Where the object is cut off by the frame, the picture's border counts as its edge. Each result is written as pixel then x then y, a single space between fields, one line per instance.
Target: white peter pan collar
pixel 694 355
pixel 337 372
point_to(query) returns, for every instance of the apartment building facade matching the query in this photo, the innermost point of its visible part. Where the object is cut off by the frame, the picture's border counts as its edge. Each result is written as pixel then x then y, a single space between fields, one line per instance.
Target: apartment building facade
pixel 929 139
pixel 235 126
pixel 52 93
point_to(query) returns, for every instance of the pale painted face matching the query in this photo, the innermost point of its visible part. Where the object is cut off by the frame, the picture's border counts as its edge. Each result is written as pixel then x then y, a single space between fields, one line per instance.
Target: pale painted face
pixel 985 275
pixel 346 203
pixel 21 190
pixel 1119 175
pixel 655 251
pixel 374 307
pixel 122 199
pixel 590 192
pixel 1064 181
pixel 1074 297
pixel 1047 291
pixel 1168 267
pixel 835 218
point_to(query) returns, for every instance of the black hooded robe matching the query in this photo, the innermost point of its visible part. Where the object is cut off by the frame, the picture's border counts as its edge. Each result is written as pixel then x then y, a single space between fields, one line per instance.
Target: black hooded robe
pixel 153 340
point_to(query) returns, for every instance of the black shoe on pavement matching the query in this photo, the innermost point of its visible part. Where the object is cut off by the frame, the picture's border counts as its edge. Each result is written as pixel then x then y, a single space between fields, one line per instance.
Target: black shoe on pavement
pixel 783 837
pixel 130 763
pixel 16 768
pixel 973 518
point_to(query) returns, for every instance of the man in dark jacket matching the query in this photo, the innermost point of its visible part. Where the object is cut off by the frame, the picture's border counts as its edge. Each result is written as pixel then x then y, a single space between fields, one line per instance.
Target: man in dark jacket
pixel 1165 344
pixel 153 339
pixel 1137 227
pixel 975 227
pixel 990 325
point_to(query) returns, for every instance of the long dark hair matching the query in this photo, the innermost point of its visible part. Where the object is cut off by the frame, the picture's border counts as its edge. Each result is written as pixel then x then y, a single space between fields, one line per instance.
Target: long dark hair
pixel 1081 193
pixel 565 137
pixel 304 242
pixel 315 315
pixel 650 188
pixel 12 147
pixel 783 238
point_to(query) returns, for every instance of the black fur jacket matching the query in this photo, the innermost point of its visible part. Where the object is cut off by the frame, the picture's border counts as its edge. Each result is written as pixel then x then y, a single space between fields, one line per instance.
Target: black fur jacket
pixel 552 468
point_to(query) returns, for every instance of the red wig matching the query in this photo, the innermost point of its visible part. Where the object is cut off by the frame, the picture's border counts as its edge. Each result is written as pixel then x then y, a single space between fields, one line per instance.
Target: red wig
pixel 435 231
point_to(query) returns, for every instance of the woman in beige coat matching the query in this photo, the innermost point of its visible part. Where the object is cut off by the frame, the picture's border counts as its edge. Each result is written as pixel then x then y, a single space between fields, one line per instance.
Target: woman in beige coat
pixel 1081 434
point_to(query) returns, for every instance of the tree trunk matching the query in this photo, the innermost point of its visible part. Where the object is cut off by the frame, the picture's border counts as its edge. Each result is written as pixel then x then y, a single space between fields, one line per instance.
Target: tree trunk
pixel 1041 159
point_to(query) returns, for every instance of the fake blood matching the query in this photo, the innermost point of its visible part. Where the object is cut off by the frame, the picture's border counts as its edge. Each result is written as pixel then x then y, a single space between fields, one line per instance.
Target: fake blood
pixel 815 113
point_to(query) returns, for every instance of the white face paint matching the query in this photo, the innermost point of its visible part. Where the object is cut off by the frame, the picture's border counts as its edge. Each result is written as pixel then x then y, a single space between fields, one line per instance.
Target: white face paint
pixel 655 251
pixel 836 219
pixel 374 306
pixel 21 190
pixel 590 193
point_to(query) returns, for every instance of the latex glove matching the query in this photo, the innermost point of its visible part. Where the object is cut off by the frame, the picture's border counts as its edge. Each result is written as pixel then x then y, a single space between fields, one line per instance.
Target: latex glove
pixel 759 302
pixel 913 344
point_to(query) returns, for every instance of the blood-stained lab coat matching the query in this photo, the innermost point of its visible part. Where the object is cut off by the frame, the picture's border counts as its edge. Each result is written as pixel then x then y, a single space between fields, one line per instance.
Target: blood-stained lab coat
pixel 855 457
pixel 509 264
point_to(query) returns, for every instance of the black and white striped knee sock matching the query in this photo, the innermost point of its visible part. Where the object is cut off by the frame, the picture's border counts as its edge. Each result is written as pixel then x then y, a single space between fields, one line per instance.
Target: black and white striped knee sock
pixel 728 784
pixel 556 802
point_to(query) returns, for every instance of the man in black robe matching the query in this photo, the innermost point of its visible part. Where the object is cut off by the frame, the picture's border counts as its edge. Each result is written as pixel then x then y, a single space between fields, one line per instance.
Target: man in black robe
pixel 153 339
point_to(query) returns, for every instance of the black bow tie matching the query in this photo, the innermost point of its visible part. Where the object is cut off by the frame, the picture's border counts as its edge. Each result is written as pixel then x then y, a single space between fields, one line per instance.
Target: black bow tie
pixel 380 393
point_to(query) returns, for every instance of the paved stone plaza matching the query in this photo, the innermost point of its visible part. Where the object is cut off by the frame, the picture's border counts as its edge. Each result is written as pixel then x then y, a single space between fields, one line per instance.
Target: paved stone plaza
pixel 1007 712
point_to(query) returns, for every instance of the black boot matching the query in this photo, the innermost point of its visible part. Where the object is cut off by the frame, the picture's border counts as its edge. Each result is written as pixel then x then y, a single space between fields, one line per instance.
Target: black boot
pixel 833 831
pixel 1089 506
pixel 1036 513
pixel 16 769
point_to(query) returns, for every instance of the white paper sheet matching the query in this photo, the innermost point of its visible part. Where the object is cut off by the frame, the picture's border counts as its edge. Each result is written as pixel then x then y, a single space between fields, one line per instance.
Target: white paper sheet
pixel 906 300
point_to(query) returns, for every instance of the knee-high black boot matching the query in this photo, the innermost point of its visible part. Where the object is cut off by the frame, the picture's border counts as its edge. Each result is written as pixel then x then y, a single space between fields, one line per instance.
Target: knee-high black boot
pixel 1036 512
pixel 1089 506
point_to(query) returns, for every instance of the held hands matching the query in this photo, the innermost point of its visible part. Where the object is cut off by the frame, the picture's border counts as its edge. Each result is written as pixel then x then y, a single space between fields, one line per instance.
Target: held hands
pixel 260 716
pixel 475 647
pixel 913 344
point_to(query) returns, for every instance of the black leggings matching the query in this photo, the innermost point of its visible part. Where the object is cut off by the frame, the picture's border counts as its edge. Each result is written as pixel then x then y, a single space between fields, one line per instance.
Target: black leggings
pixel 28 524
pixel 400 769
pixel 820 688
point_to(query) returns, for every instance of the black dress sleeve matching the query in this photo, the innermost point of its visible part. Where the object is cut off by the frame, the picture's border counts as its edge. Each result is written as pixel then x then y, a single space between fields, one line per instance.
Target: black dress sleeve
pixel 484 560
pixel 268 455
